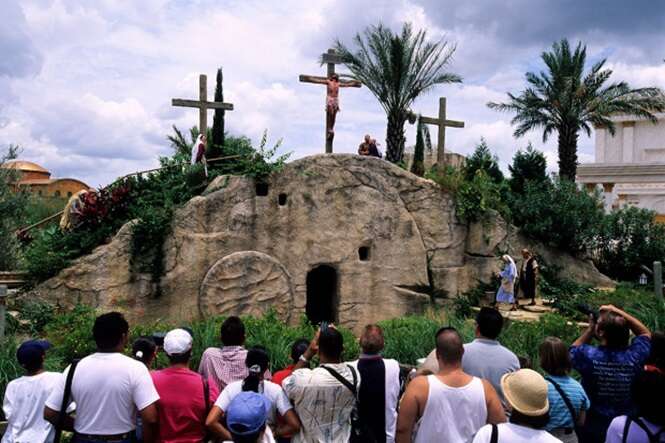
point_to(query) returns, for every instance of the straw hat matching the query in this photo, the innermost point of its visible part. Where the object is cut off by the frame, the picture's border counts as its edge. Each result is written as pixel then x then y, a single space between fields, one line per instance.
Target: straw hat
pixel 526 391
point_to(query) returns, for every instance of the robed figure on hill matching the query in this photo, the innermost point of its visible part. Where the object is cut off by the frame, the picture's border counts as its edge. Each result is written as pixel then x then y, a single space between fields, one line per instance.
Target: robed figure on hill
pixel 528 281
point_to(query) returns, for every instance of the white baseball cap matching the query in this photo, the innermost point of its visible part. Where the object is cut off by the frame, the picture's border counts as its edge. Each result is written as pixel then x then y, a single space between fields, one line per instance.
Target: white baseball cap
pixel 177 341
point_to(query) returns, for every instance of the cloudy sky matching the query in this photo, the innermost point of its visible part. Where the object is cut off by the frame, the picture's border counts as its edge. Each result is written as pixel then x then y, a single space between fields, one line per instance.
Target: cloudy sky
pixel 85 87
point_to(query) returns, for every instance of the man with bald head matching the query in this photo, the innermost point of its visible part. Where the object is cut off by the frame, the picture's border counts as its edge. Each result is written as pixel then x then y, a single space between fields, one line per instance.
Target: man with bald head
pixel 379 385
pixel 451 405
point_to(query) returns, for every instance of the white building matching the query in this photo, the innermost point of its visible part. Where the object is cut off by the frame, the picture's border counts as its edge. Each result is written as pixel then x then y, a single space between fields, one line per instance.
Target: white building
pixel 629 166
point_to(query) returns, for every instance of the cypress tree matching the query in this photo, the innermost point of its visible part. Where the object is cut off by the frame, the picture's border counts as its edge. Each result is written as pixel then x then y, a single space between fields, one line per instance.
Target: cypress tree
pixel 216 148
pixel 418 166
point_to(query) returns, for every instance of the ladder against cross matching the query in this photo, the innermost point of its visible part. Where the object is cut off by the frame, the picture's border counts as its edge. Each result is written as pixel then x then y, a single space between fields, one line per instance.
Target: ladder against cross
pixel 442 123
pixel 202 104
pixel 330 58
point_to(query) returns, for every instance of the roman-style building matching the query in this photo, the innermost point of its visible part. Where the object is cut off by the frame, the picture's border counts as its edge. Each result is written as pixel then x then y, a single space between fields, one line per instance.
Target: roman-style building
pixel 629 166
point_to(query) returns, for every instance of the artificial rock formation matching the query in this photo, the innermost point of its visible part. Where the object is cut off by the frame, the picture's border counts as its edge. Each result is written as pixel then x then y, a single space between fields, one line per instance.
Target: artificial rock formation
pixel 342 237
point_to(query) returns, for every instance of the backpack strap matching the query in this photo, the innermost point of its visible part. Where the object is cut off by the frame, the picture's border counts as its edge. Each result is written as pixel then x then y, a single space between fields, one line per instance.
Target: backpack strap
pixel 565 399
pixel 494 437
pixel 206 394
pixel 65 402
pixel 344 381
pixel 653 438
pixel 626 429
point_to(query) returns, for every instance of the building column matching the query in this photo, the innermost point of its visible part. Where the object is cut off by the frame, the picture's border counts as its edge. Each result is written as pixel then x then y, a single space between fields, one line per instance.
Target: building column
pixel 628 142
pixel 608 196
pixel 601 134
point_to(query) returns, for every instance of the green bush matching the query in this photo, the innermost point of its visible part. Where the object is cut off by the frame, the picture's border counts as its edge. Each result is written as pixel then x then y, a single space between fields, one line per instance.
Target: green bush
pixel 482 159
pixel 629 238
pixel 529 165
pixel 477 198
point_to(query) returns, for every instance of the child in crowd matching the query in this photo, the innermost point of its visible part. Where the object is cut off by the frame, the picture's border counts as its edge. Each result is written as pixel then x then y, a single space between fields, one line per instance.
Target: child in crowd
pixel 568 401
pixel 24 397
pixel 144 350
pixel 257 362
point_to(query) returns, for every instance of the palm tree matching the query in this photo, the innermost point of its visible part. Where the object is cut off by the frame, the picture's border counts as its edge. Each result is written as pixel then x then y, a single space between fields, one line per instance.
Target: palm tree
pixel 397 68
pixel 565 100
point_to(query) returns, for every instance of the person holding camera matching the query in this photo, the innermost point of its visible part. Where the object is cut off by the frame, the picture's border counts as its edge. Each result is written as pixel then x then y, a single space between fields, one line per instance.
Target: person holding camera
pixel 322 397
pixel 608 370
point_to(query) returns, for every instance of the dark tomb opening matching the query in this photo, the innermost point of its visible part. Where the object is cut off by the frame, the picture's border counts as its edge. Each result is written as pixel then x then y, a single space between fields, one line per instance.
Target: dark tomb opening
pixel 282 199
pixel 322 301
pixel 261 189
pixel 363 253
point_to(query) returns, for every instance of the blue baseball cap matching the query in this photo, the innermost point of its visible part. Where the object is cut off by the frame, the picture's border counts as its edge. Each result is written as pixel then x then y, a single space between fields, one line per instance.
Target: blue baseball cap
pixel 247 413
pixel 31 352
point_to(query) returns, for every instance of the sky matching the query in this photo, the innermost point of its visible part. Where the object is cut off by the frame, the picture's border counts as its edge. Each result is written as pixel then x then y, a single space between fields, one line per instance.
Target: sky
pixel 85 87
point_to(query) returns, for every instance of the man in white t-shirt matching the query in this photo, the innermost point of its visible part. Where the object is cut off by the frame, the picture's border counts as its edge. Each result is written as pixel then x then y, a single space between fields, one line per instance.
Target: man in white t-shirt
pixel 24 397
pixel 108 388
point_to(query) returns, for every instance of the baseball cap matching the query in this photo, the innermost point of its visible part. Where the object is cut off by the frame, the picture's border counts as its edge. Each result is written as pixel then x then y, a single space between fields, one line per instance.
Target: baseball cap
pixel 247 413
pixel 31 351
pixel 177 341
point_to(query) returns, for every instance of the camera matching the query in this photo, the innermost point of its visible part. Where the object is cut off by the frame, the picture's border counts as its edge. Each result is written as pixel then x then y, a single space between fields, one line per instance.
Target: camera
pixel 586 310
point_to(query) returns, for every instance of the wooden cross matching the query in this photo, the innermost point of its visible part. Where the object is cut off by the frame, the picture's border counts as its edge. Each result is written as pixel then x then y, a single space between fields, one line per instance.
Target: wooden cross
pixel 330 58
pixel 202 103
pixel 441 122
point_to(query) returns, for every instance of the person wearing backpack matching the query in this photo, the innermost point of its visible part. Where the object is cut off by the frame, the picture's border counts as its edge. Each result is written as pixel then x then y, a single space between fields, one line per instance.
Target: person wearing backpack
pixel 568 401
pixel 185 395
pixel 451 405
pixel 325 398
pixel 648 425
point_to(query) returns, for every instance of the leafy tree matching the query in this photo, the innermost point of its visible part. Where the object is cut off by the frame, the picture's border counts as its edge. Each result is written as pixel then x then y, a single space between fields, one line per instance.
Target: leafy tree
pixel 397 68
pixel 477 198
pixel 528 165
pixel 566 100
pixel 13 203
pixel 559 214
pixel 216 148
pixel 630 237
pixel 483 159
pixel 418 166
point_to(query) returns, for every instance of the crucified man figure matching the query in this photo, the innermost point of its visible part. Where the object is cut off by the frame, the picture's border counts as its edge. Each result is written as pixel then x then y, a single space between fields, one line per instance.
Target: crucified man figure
pixel 332 103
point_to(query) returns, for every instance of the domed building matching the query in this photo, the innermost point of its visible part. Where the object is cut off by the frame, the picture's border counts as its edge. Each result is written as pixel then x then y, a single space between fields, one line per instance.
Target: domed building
pixel 38 180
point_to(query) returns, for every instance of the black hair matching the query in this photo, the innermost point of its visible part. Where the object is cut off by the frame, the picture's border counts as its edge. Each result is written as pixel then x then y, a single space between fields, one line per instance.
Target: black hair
pixel 647 392
pixel 179 358
pixel 35 364
pixel 256 356
pixel 657 356
pixel 298 348
pixel 109 329
pixel 449 345
pixel 331 343
pixel 251 438
pixel 232 332
pixel 143 349
pixel 537 422
pixel 490 323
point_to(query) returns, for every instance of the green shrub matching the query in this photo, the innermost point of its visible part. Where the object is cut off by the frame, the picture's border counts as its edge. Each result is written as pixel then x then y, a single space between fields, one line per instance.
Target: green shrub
pixel 70 333
pixel 477 199
pixel 529 165
pixel 482 159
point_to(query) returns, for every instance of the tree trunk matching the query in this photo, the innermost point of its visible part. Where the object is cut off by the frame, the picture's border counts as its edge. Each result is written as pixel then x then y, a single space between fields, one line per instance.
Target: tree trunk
pixel 568 153
pixel 395 137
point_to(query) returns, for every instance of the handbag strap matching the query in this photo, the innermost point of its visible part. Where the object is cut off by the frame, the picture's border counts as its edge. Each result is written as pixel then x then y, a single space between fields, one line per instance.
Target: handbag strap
pixel 653 438
pixel 565 399
pixel 494 437
pixel 344 381
pixel 65 401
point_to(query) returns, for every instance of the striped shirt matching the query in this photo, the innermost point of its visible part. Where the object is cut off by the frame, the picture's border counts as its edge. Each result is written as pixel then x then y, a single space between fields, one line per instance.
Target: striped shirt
pixel 224 365
pixel 559 413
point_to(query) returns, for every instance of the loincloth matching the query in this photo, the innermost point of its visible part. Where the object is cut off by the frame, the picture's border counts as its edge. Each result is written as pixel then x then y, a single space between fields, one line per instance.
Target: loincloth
pixel 332 104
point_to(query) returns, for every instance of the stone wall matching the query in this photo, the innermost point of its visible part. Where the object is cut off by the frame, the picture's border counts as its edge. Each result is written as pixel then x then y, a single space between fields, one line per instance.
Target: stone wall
pixel 242 247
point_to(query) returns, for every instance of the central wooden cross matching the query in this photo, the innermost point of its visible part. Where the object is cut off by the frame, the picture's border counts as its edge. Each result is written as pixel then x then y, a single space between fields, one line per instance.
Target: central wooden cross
pixel 330 58
pixel 442 123
pixel 202 104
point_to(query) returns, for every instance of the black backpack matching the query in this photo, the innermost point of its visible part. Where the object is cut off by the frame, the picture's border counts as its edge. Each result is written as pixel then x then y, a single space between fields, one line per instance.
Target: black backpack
pixel 653 438
pixel 360 432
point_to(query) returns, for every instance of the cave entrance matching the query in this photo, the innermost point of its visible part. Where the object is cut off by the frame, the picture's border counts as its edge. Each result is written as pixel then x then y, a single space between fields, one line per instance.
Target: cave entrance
pixel 322 300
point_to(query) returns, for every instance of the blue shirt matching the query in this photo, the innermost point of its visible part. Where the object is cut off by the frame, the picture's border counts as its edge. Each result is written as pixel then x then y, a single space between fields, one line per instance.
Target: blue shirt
pixel 559 413
pixel 608 373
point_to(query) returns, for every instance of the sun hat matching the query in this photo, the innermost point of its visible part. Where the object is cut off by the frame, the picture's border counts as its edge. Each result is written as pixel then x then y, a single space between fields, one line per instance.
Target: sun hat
pixel 31 351
pixel 177 341
pixel 526 391
pixel 247 413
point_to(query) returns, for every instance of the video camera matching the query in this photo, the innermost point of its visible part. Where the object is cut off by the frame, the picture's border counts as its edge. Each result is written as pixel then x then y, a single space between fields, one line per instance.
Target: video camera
pixel 587 310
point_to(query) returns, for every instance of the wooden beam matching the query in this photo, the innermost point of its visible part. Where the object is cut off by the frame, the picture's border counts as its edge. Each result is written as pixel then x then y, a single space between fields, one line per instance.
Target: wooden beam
pixel 332 57
pixel 197 104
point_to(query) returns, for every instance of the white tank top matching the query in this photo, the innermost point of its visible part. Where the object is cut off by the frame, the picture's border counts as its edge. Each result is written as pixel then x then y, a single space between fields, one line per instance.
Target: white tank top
pixel 452 414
